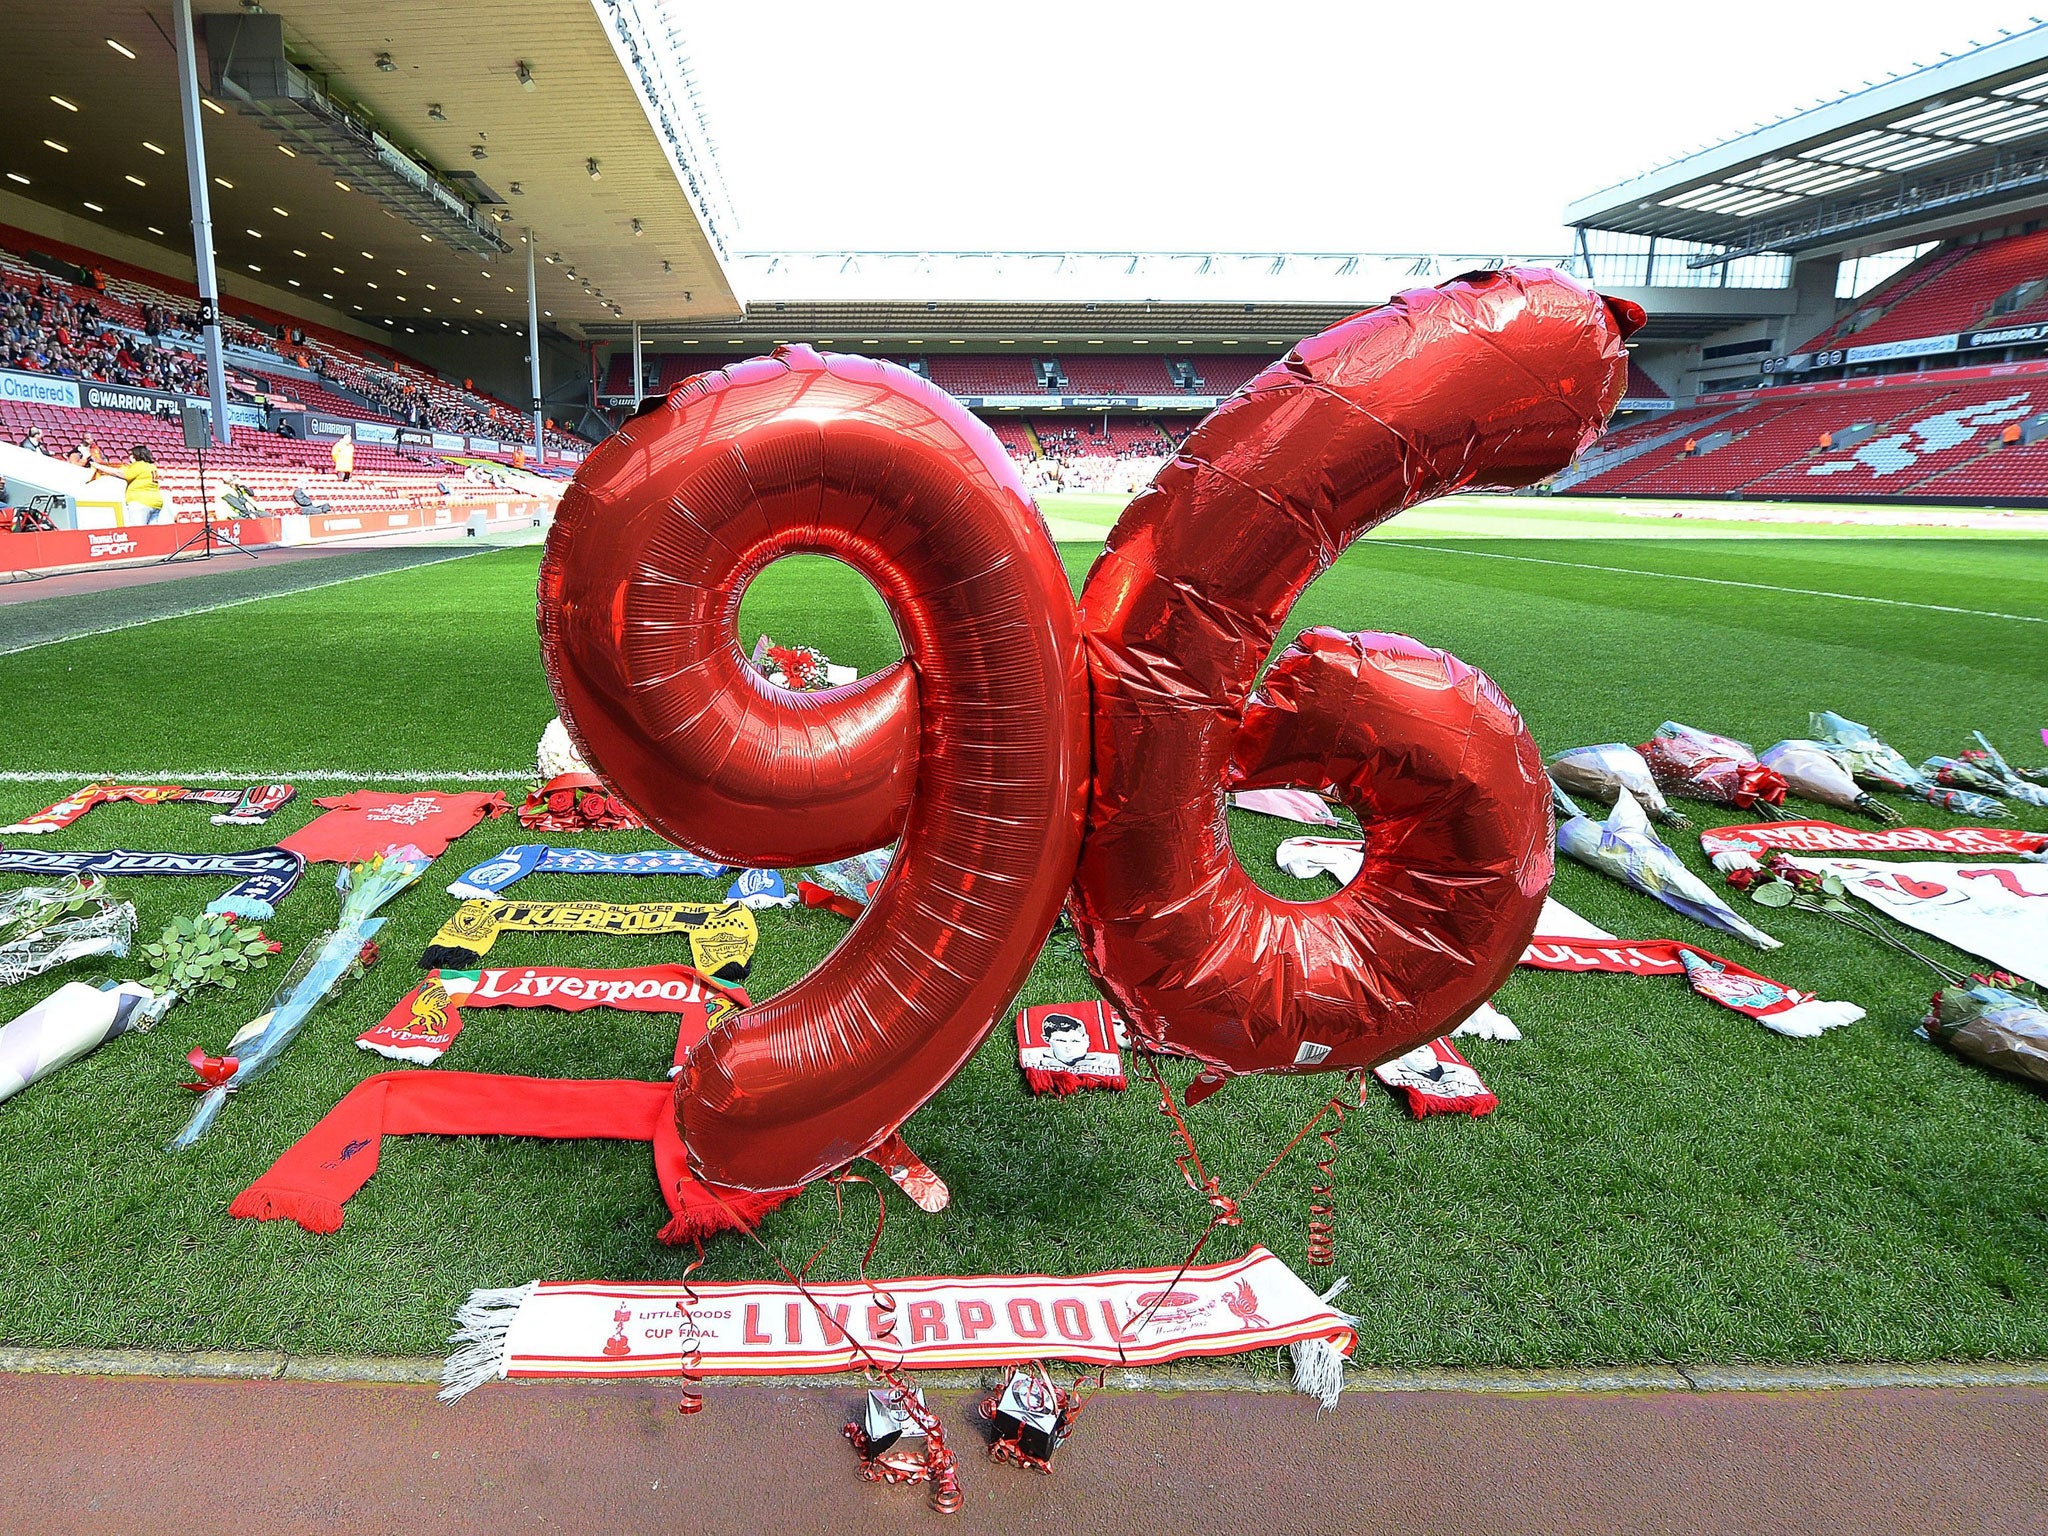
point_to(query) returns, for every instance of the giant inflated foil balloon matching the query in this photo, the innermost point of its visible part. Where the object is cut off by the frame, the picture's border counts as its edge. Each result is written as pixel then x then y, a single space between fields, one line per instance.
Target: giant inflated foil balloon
pixel 988 747
pixel 1492 380
pixel 973 749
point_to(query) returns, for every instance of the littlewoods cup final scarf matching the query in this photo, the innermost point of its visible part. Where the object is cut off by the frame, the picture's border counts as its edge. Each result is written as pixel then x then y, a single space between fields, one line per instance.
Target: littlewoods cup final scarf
pixel 265 876
pixel 424 1023
pixel 722 934
pixel 758 1328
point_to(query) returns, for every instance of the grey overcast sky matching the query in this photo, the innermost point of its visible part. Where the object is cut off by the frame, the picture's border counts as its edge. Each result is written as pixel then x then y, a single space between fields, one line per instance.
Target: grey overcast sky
pixel 1461 126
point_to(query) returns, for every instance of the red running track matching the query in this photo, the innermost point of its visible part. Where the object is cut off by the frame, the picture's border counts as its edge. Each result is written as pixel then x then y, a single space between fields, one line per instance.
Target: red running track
pixel 128 1454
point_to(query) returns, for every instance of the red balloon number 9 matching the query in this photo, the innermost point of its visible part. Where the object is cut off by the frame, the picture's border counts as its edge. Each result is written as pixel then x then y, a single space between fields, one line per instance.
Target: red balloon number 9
pixel 1022 752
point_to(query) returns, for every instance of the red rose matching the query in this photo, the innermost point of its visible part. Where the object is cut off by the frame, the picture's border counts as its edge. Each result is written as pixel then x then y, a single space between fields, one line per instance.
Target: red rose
pixel 562 800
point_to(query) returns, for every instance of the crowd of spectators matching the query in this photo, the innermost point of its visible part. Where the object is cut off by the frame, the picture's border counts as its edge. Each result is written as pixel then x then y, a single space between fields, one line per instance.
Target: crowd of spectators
pixel 45 330
pixel 64 330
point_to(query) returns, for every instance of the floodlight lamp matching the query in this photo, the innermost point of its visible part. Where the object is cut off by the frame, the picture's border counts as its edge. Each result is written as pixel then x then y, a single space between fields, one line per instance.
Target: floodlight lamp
pixel 384 63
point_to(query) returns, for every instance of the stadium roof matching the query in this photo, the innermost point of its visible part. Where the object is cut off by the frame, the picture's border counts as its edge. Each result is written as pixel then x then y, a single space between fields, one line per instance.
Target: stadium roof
pixel 1048 297
pixel 440 80
pixel 1356 278
pixel 1963 139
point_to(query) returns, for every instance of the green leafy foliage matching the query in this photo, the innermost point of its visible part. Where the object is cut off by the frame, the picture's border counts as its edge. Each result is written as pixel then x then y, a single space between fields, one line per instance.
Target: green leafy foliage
pixel 211 950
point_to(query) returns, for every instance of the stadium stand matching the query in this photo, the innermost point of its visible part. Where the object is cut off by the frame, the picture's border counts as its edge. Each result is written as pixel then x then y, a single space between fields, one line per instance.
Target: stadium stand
pixel 1226 375
pixel 121 325
pixel 1641 386
pixel 1118 376
pixel 1906 440
pixel 984 375
pixel 1951 291
pixel 1083 436
pixel 1015 436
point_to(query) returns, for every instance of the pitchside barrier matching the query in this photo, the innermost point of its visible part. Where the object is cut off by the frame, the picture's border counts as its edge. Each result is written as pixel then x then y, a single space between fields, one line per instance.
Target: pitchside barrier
pixel 68 549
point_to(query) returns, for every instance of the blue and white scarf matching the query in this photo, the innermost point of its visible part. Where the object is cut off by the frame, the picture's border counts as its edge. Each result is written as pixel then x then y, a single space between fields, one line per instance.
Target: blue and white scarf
pixel 503 870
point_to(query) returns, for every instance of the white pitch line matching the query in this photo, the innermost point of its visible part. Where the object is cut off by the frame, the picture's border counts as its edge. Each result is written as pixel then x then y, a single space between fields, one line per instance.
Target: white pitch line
pixel 1717 581
pixel 233 602
pixel 269 776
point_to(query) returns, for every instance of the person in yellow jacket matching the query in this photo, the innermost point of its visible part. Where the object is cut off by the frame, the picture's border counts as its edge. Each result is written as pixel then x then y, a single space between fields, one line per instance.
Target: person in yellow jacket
pixel 345 457
pixel 145 499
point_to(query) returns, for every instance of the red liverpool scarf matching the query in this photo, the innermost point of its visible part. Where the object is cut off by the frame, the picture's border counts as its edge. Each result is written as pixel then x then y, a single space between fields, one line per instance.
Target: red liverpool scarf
pixel 336 1158
pixel 249 807
pixel 1777 1007
pixel 424 1023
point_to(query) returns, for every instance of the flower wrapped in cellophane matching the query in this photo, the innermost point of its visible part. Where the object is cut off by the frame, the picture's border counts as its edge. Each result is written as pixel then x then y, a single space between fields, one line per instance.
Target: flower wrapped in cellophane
pixel 1720 770
pixel 1601 773
pixel 2003 1027
pixel 1624 846
pixel 45 926
pixel 2005 779
pixel 326 965
pixel 1814 773
pixel 1879 766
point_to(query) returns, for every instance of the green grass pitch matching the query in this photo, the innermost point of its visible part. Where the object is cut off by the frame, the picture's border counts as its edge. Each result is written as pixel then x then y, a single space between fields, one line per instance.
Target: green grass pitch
pixel 1664 1180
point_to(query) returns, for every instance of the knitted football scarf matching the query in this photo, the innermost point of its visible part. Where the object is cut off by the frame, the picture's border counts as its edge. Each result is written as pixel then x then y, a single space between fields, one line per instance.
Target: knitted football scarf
pixel 488 880
pixel 265 875
pixel 424 1023
pixel 1066 1047
pixel 722 934
pixel 318 1173
pixel 249 807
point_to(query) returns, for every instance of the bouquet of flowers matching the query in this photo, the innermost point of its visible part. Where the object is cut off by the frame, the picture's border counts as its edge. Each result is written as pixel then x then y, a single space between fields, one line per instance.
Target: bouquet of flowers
pixel 1812 771
pixel 1996 1021
pixel 1601 773
pixel 1625 847
pixel 194 953
pixel 325 966
pixel 1779 882
pixel 804 668
pixel 1873 763
pixel 576 802
pixel 1687 761
pixel 76 1019
pixel 1954 773
pixel 45 926
pixel 2029 787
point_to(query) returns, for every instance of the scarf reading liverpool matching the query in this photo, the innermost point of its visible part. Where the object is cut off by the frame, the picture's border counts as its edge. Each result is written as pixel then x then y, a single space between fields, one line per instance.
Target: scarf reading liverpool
pixel 424 1023
pixel 1565 941
pixel 722 934
pixel 266 875
pixel 763 1328
pixel 492 877
pixel 249 807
